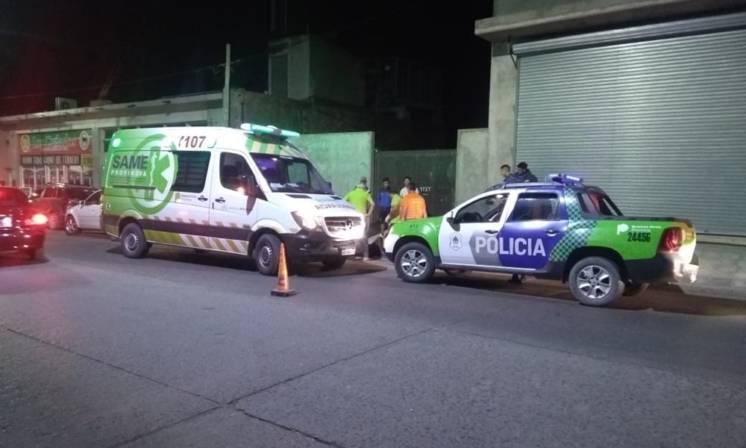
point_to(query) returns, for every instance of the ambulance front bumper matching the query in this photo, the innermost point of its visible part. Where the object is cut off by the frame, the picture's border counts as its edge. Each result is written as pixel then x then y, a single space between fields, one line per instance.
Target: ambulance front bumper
pixel 315 246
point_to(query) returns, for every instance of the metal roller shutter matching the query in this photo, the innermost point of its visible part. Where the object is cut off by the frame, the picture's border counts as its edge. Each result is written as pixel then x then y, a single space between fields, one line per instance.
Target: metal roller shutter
pixel 659 124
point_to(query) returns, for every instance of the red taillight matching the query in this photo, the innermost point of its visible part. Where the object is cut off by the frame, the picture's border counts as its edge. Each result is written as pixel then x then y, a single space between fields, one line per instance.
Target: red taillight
pixel 672 239
pixel 37 220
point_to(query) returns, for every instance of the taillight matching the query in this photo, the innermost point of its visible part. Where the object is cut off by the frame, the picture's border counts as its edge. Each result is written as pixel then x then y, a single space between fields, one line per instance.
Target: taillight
pixel 672 239
pixel 37 220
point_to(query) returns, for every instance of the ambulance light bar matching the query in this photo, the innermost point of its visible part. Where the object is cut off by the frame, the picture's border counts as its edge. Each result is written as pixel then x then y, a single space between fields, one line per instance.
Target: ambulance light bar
pixel 268 130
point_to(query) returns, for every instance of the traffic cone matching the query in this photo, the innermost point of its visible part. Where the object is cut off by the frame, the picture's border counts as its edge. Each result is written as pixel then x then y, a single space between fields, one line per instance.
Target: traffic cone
pixel 283 284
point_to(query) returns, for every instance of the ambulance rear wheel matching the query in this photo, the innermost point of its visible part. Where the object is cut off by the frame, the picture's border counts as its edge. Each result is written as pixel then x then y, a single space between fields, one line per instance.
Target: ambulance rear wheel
pixel 134 244
pixel 267 254
pixel 595 281
pixel 414 263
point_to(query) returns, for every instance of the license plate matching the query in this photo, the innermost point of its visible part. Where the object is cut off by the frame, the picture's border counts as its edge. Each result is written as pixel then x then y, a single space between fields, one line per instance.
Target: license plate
pixel 347 251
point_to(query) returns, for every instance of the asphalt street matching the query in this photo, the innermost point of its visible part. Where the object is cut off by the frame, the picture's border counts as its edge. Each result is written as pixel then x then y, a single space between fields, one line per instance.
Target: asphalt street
pixel 182 349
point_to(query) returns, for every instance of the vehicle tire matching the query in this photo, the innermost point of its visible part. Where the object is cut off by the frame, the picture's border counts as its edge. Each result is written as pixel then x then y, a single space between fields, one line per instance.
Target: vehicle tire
pixel 71 226
pixel 333 263
pixel 414 263
pixel 267 254
pixel 133 242
pixel 595 281
pixel 635 289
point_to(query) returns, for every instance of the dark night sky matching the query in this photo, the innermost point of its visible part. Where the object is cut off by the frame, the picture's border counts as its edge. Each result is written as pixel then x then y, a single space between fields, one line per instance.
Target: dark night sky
pixel 160 48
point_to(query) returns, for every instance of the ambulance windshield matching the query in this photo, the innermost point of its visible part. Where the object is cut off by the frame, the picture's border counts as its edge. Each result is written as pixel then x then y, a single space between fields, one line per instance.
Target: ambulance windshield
pixel 286 174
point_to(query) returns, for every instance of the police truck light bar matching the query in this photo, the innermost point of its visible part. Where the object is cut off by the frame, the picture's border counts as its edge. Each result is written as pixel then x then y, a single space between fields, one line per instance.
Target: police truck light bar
pixel 268 130
pixel 565 179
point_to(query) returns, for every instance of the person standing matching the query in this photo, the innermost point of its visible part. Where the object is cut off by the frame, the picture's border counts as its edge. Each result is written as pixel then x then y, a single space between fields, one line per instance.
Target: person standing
pixel 362 201
pixel 413 205
pixel 383 200
pixel 506 176
pixel 523 174
pixel 405 189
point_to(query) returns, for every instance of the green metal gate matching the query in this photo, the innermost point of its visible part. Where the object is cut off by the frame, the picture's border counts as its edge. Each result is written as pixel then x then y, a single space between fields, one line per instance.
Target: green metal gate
pixel 433 170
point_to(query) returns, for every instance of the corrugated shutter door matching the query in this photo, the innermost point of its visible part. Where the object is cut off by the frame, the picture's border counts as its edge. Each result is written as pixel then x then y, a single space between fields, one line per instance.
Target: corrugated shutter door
pixel 659 124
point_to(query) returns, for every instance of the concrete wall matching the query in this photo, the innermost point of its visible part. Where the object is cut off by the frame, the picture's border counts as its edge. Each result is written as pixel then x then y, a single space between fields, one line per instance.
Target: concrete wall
pixel 472 167
pixel 509 11
pixel 299 72
pixel 502 115
pixel 342 158
pixel 336 75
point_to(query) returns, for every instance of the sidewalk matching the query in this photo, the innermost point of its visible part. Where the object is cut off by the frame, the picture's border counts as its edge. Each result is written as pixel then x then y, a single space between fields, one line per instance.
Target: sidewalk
pixel 722 272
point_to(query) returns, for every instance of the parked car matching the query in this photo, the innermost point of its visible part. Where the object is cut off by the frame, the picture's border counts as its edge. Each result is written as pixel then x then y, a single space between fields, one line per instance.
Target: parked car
pixel 562 229
pixel 21 227
pixel 54 200
pixel 84 215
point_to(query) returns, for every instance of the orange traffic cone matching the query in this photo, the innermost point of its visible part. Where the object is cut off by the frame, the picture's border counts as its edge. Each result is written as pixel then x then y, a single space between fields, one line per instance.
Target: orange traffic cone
pixel 283 285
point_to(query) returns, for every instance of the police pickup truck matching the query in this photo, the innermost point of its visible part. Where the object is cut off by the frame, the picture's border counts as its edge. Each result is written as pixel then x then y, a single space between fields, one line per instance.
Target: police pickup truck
pixel 561 229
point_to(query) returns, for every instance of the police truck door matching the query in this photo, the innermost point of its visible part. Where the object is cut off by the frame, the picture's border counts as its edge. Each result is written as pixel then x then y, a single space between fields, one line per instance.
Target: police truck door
pixel 534 227
pixel 469 238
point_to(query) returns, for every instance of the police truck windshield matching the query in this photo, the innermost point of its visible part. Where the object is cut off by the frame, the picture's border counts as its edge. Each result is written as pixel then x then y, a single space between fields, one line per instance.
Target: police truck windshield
pixel 286 174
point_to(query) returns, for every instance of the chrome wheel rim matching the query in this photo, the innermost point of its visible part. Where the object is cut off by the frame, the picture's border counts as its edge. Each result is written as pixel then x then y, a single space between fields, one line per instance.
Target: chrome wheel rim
pixel 413 263
pixel 131 241
pixel 594 282
pixel 265 255
pixel 70 224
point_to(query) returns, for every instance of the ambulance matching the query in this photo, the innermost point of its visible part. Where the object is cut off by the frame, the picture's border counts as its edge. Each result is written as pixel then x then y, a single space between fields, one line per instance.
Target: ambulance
pixel 237 191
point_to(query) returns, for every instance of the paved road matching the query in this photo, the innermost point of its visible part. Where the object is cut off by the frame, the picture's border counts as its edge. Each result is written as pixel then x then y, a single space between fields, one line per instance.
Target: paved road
pixel 180 350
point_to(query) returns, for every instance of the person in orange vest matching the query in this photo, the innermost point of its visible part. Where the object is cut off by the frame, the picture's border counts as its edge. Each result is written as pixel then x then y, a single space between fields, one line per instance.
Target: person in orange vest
pixel 412 205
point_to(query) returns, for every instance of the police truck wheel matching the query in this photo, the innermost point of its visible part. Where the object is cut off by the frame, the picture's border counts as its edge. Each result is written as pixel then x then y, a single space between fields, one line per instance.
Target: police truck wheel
pixel 332 263
pixel 267 254
pixel 595 281
pixel 134 244
pixel 414 263
pixel 71 227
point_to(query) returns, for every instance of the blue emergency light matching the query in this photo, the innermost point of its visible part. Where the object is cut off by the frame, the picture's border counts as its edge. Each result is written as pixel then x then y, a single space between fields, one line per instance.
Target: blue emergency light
pixel 268 130
pixel 564 179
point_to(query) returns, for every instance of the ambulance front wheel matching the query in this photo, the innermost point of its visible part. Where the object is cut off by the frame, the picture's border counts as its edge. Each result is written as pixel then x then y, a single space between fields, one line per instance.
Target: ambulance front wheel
pixel 414 263
pixel 267 254
pixel 134 244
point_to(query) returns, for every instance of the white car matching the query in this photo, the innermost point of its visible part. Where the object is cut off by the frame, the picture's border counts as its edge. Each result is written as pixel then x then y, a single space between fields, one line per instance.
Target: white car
pixel 85 215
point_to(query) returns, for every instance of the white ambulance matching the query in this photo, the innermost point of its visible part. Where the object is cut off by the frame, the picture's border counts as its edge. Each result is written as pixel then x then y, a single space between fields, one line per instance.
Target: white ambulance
pixel 242 191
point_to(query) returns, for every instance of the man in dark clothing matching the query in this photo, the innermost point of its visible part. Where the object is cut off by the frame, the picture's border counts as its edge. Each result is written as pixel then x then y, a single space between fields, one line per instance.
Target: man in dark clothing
pixel 506 176
pixel 522 174
pixel 383 200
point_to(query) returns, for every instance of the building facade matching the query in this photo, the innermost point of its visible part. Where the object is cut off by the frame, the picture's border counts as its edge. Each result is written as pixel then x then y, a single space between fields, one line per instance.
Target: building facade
pixel 645 98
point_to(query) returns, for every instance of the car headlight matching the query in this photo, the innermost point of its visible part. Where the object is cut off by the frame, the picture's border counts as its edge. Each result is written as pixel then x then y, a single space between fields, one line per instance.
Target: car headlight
pixel 305 219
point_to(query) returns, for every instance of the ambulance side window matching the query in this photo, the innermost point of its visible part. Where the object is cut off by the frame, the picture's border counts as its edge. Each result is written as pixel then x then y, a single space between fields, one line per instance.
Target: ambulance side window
pixel 536 207
pixel 191 171
pixel 236 175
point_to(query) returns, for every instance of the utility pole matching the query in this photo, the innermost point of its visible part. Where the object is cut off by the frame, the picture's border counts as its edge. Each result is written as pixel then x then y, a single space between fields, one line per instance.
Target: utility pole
pixel 227 87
